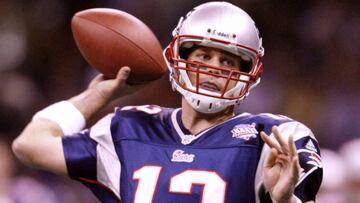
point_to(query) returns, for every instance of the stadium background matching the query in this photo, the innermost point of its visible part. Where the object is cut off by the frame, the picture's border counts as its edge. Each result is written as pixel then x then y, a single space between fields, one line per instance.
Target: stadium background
pixel 311 65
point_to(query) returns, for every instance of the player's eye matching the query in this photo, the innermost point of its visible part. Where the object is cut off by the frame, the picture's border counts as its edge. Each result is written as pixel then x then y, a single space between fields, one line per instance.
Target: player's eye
pixel 203 57
pixel 228 63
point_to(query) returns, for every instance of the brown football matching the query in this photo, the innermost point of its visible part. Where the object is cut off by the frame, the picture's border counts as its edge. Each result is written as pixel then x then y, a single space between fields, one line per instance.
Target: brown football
pixel 109 39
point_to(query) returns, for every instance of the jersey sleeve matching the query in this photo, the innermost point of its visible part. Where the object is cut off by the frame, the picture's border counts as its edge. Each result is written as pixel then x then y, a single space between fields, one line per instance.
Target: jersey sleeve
pixel 309 158
pixel 80 155
pixel 91 158
pixel 310 161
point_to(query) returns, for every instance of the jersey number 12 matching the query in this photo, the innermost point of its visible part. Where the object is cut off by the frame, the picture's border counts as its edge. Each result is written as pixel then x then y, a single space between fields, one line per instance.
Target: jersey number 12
pixel 214 187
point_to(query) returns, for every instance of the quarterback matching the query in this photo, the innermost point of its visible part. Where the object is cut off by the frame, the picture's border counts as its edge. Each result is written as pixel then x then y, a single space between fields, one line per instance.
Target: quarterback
pixel 201 152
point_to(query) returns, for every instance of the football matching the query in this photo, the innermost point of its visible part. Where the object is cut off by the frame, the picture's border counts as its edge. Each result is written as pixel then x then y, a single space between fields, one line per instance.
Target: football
pixel 109 39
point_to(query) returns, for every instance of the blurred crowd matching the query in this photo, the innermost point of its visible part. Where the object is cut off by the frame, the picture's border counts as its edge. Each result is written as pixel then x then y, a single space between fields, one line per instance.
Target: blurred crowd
pixel 312 74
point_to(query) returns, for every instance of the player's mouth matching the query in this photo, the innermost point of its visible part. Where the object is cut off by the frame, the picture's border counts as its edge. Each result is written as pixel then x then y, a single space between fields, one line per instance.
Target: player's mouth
pixel 209 86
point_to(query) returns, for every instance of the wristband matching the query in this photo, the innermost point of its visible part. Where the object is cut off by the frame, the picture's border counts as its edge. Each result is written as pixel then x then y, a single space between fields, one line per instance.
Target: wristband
pixel 65 114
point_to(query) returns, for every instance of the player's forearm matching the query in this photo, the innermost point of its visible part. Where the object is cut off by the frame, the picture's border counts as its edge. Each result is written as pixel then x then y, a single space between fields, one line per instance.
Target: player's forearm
pixel 40 145
pixel 89 102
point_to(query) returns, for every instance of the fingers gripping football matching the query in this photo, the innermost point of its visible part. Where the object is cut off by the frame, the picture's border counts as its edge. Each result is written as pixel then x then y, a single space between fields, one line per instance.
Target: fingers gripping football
pixel 110 88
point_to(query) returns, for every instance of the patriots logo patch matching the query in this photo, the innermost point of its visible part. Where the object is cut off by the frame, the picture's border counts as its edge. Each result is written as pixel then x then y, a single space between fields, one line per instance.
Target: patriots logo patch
pixel 310 162
pixel 311 157
pixel 180 156
pixel 315 160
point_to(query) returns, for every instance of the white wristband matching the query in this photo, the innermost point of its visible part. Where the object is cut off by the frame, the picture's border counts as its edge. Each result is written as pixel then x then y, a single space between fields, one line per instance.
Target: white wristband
pixel 65 114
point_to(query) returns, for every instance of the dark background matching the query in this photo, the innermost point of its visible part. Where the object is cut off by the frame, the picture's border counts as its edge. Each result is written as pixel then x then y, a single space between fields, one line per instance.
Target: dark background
pixel 311 62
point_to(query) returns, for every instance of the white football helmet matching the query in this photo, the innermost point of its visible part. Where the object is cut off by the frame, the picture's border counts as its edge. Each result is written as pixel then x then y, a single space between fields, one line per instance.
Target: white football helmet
pixel 223 26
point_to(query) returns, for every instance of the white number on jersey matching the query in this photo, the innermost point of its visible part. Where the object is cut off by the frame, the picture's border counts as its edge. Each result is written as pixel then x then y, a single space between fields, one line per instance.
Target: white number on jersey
pixel 148 176
pixel 144 108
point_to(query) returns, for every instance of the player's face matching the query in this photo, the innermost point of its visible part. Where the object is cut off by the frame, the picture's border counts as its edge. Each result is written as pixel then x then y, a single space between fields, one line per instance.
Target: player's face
pixel 215 58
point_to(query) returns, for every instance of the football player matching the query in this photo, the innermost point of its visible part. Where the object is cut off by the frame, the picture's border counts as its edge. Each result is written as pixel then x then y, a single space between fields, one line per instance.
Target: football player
pixel 201 152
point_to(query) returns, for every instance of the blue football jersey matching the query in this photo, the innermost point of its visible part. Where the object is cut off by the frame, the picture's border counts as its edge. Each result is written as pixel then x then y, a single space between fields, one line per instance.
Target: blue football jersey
pixel 144 154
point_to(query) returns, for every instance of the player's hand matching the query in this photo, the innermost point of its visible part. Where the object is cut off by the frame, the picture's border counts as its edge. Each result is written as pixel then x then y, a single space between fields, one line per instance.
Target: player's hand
pixel 281 169
pixel 101 91
pixel 109 88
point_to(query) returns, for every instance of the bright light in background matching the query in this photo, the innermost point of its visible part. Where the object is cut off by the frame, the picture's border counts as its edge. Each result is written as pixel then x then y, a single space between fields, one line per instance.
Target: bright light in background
pixel 12 49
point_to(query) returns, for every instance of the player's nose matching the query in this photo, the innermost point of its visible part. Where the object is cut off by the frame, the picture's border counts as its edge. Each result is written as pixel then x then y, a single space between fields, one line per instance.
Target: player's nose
pixel 213 63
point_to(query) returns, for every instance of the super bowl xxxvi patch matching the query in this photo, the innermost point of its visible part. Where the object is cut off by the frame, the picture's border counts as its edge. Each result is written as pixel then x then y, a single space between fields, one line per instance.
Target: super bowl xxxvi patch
pixel 244 131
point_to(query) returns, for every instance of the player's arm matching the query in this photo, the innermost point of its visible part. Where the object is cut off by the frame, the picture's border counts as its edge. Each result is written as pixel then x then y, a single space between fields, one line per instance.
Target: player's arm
pixel 40 143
